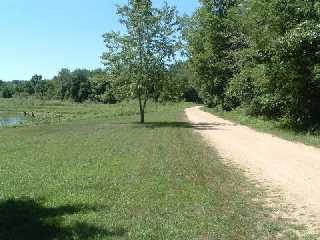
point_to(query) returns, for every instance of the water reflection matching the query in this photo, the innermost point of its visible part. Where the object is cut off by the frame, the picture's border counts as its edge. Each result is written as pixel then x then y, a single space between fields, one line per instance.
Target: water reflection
pixel 7 119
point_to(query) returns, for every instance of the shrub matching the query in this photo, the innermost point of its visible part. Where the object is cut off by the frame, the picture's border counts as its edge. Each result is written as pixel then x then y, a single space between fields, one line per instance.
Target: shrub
pixel 7 92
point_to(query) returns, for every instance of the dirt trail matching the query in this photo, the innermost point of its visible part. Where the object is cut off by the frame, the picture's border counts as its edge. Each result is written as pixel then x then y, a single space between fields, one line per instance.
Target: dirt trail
pixel 292 168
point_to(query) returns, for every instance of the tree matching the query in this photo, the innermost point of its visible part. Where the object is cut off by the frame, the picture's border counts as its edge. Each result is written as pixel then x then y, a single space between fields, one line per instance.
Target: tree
pixel 7 92
pixel 179 84
pixel 35 83
pixel 80 85
pixel 19 89
pixel 212 36
pixel 138 58
pixel 63 81
pixel 285 40
pixel 101 87
pixel 262 55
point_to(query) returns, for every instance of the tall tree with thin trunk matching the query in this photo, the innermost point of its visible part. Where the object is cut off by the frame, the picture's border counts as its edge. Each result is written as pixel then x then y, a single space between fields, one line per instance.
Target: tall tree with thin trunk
pixel 138 56
pixel 212 36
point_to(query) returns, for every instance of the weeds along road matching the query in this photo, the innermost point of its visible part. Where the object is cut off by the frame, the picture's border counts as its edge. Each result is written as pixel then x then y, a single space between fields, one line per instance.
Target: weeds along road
pixel 292 169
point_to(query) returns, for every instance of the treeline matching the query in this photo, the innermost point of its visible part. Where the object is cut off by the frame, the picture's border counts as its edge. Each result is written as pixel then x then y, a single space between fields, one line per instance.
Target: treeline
pixel 97 86
pixel 79 86
pixel 263 55
pixel 260 55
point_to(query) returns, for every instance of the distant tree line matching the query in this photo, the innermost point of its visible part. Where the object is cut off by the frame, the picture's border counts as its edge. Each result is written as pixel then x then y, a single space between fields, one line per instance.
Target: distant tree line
pixel 78 86
pixel 96 86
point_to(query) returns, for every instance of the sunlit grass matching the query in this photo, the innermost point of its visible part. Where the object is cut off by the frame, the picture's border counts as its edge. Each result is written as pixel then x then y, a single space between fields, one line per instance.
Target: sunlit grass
pixel 112 178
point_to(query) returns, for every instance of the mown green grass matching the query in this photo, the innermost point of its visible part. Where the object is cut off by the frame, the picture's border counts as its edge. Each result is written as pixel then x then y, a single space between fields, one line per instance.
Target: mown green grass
pixel 112 178
pixel 267 125
pixel 57 111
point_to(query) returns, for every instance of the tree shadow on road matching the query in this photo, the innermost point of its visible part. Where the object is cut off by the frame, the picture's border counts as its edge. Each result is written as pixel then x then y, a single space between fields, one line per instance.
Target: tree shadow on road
pixel 197 126
pixel 24 219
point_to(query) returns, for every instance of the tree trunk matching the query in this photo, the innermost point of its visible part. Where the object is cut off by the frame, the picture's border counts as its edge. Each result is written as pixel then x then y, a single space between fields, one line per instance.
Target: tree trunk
pixel 141 107
pixel 141 115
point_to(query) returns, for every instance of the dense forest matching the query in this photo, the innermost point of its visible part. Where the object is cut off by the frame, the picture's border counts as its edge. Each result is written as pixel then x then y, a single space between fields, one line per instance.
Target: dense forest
pixel 260 55
pixel 263 55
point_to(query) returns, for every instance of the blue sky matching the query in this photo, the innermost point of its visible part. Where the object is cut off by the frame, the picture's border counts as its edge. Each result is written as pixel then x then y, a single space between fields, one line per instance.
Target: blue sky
pixel 43 36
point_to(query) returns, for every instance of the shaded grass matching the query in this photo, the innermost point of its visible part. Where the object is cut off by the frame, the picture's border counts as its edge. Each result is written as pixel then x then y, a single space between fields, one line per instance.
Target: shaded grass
pixel 28 219
pixel 111 178
pixel 269 126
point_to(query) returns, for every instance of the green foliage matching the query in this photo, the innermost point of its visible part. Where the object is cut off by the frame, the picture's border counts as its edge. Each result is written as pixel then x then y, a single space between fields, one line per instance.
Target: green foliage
pixel 179 84
pixel 138 58
pixel 293 73
pixel 7 92
pixel 212 38
pixel 79 86
pixel 260 54
pixel 10 89
pixel 73 85
pixel 101 87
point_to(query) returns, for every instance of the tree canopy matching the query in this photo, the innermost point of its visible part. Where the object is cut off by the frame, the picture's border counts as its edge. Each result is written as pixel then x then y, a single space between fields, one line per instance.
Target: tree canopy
pixel 139 58
pixel 262 55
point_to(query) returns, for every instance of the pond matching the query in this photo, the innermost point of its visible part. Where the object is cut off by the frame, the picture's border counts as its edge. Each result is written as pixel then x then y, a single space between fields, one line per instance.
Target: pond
pixel 7 119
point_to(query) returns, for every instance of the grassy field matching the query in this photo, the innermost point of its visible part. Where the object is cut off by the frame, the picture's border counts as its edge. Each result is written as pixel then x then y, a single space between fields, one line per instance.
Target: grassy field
pixel 101 175
pixel 269 126
pixel 56 111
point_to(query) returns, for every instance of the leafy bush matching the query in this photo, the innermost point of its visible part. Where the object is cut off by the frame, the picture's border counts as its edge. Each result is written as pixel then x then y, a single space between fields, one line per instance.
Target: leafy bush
pixel 263 55
pixel 294 73
pixel 7 92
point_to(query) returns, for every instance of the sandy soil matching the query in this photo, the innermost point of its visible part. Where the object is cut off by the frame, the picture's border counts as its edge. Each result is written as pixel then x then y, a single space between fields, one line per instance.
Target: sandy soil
pixel 291 168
